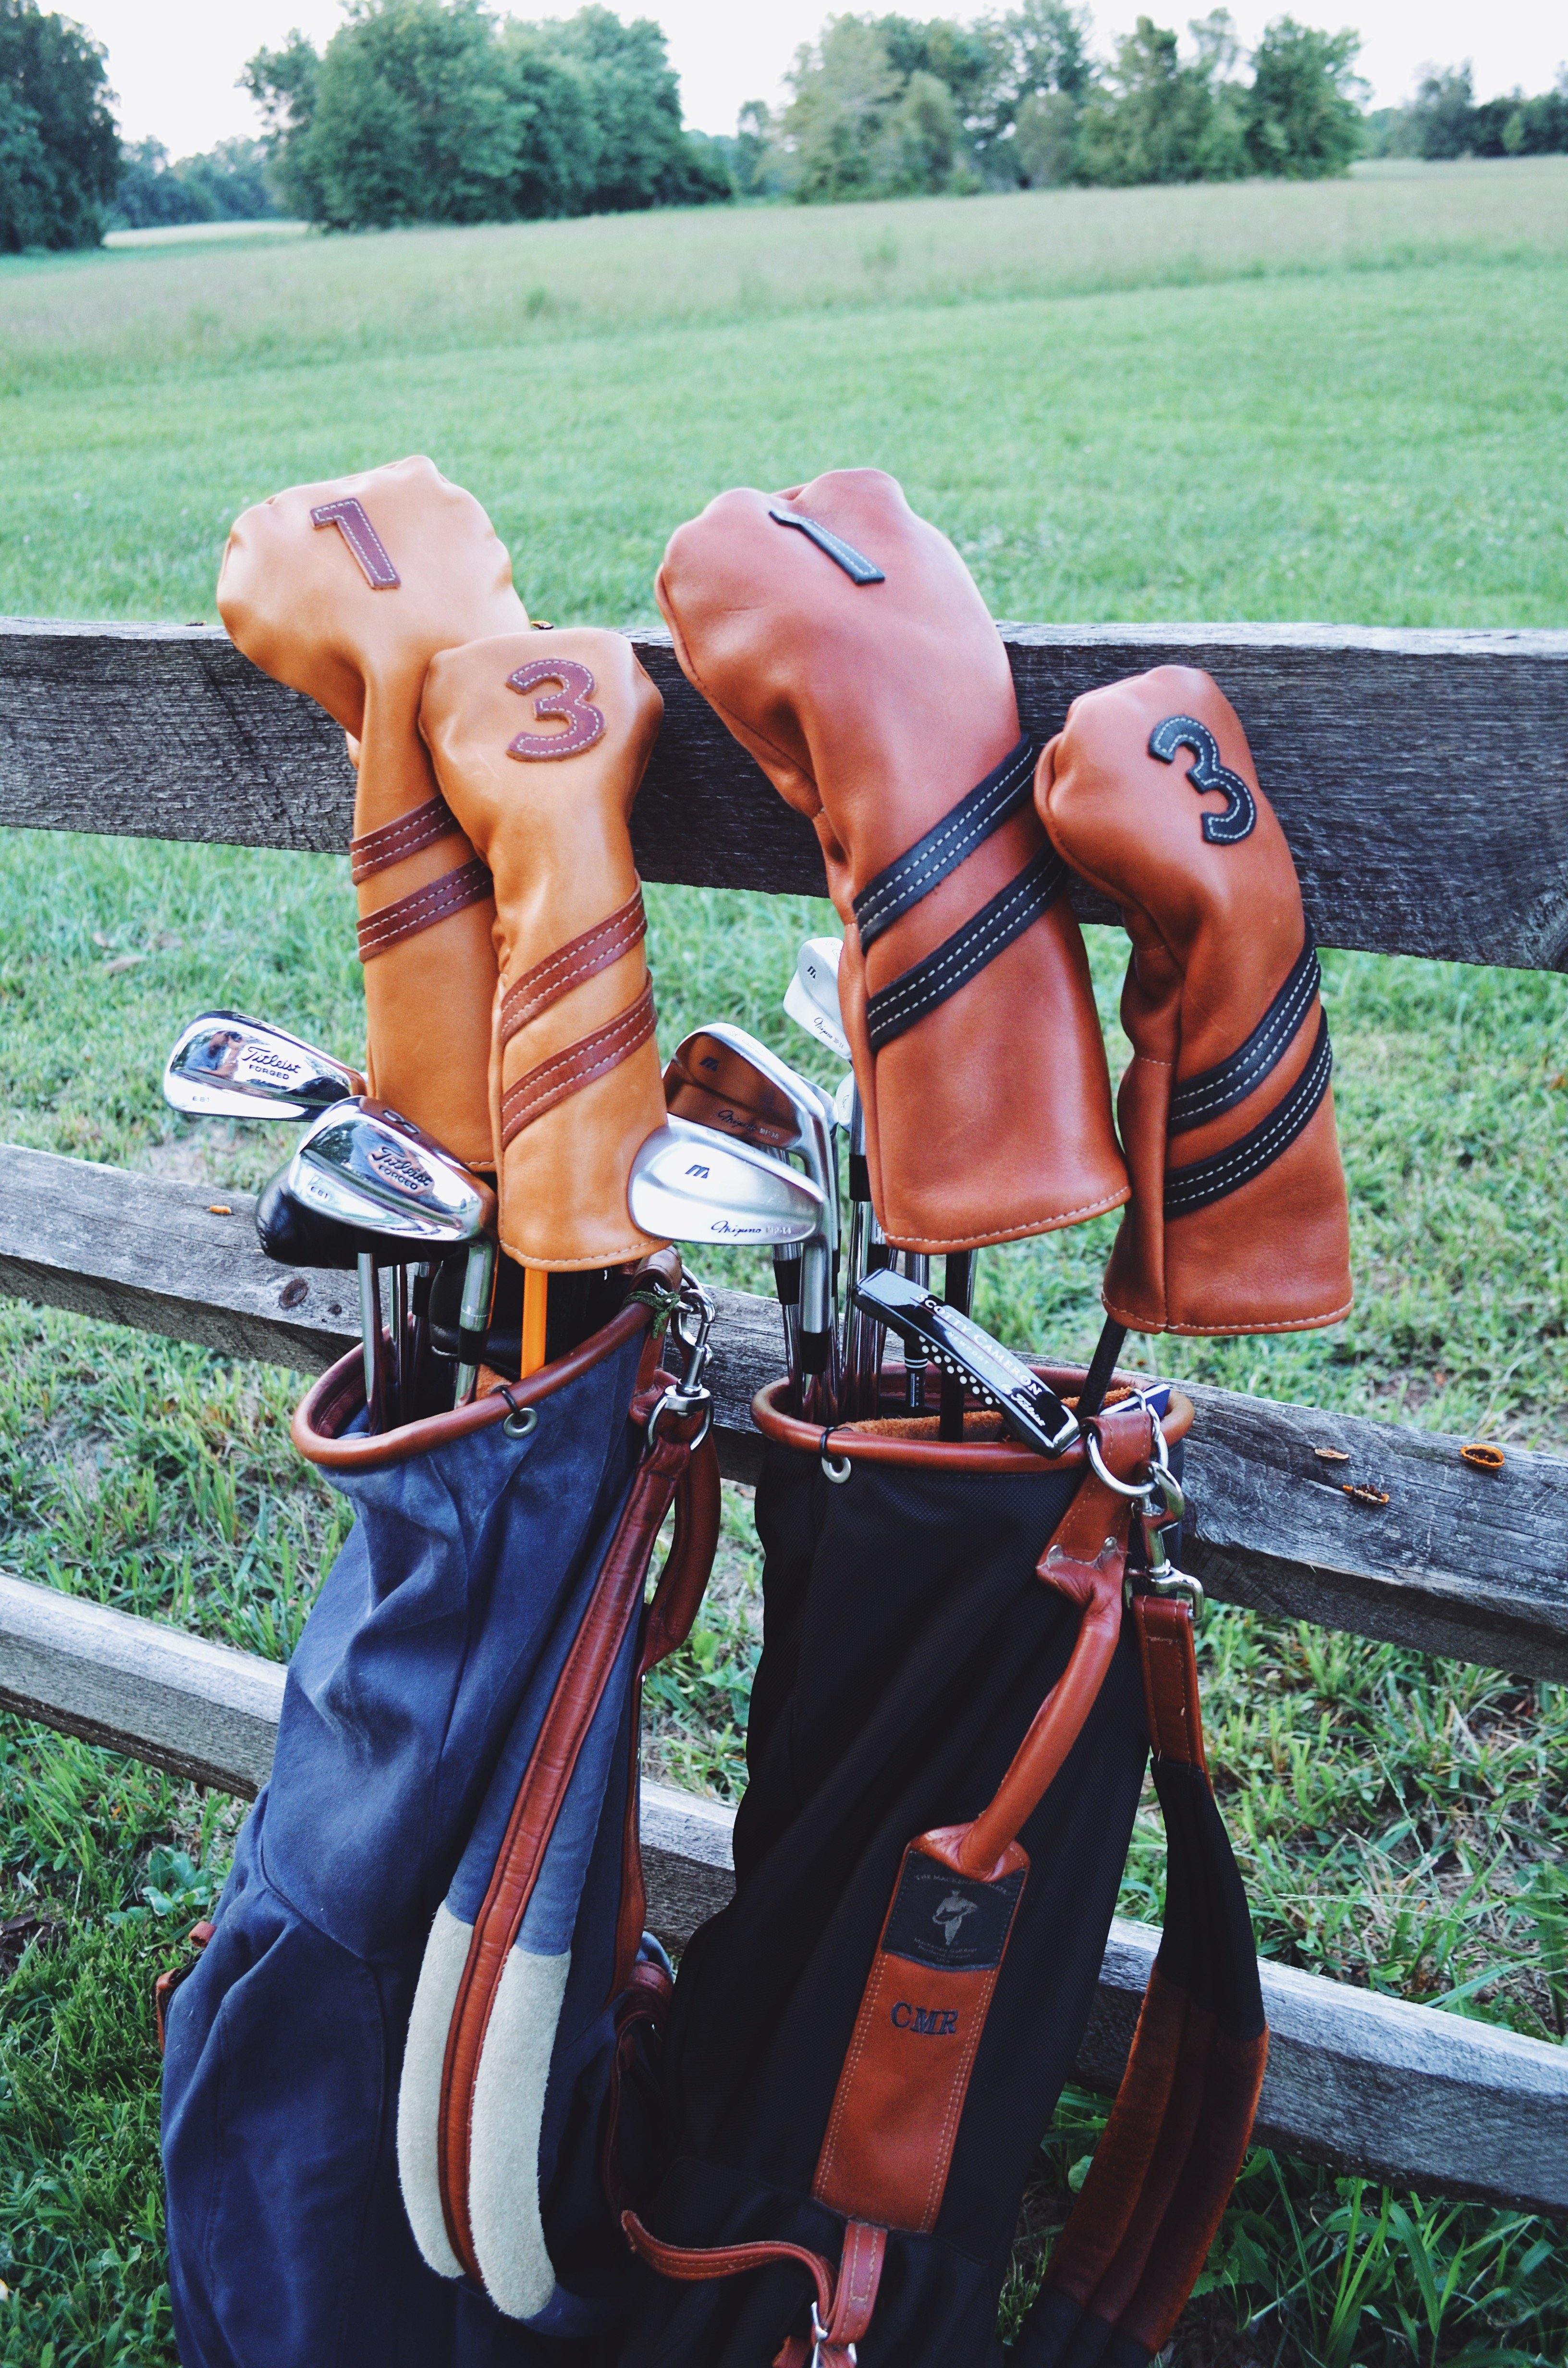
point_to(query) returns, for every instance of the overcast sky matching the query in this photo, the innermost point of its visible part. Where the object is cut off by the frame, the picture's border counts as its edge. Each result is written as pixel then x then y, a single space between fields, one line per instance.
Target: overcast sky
pixel 173 62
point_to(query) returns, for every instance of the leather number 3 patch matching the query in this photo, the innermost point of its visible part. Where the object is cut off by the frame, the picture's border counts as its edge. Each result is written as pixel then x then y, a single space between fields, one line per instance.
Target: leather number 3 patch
pixel 584 721
pixel 349 517
pixel 1240 813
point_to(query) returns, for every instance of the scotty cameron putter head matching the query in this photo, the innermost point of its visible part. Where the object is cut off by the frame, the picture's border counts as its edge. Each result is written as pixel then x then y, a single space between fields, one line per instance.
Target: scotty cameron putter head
pixel 928 1327
pixel 225 1065
pixel 691 1184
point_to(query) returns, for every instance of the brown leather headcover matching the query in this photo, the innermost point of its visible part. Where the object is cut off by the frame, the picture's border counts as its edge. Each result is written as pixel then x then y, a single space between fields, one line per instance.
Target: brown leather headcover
pixel 575 1081
pixel 874 708
pixel 1230 1046
pixel 350 610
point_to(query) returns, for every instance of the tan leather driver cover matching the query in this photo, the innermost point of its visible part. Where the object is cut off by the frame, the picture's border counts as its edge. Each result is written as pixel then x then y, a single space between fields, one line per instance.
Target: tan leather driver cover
pixel 540 741
pixel 345 590
pixel 875 707
pixel 1238 1221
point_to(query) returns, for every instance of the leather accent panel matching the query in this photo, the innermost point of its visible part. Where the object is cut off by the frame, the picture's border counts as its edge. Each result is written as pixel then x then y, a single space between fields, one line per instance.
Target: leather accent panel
pixel 565 1074
pixel 618 1594
pixel 895 2115
pixel 470 884
pixel 583 958
pixel 1223 1172
pixel 1005 791
pixel 996 1457
pixel 917 992
pixel 1213 1091
pixel 424 827
pixel 1170 1679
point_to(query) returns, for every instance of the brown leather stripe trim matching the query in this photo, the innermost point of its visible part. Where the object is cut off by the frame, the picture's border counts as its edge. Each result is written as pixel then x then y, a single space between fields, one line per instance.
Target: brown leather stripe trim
pixel 617 1597
pixel 581 958
pixel 379 849
pixel 470 884
pixel 567 1073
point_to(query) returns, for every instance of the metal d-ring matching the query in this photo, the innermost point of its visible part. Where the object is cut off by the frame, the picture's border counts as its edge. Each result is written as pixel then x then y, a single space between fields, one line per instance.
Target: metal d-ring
pixel 523 1421
pixel 1108 1478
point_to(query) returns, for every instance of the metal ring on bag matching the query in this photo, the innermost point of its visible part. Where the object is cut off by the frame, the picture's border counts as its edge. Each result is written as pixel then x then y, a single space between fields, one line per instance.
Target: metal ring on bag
pixel 836 1468
pixel 523 1421
pixel 1105 1475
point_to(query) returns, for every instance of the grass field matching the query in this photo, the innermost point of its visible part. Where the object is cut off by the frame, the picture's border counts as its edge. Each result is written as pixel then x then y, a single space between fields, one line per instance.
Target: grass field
pixel 1345 403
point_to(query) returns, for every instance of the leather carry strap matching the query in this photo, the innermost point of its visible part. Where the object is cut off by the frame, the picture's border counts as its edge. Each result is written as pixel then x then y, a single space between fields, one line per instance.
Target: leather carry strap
pixel 1005 791
pixel 378 850
pixel 1214 1091
pixel 894 1009
pixel 565 1074
pixel 889 2138
pixel 1207 1181
pixel 470 884
pixel 582 957
pixel 1140 2229
pixel 617 1595
pixel 843 2299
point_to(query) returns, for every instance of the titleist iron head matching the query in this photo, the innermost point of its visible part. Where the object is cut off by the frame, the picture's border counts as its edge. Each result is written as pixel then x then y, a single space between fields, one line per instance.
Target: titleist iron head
pixel 811 999
pixel 226 1066
pixel 366 1167
pixel 691 1184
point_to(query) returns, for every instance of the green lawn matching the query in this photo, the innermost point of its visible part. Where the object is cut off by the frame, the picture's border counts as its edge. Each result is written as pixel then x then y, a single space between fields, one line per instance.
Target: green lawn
pixel 1342 402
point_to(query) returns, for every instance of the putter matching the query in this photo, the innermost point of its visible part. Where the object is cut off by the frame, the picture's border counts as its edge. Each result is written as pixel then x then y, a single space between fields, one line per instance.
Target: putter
pixel 1029 1407
pixel 722 1076
pixel 365 1167
pixel 225 1065
pixel 688 1185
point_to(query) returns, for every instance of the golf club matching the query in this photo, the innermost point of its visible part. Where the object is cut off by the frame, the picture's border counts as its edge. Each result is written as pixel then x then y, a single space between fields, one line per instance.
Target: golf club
pixel 688 1185
pixel 811 1000
pixel 722 1076
pixel 366 1167
pixel 226 1066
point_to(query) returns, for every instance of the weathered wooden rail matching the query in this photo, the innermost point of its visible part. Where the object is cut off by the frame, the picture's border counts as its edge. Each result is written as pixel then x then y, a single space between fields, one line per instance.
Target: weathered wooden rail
pixel 1421 780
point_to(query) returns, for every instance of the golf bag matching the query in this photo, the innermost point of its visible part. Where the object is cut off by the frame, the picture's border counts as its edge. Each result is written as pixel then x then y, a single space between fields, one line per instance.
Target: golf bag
pixel 448 1834
pixel 948 1731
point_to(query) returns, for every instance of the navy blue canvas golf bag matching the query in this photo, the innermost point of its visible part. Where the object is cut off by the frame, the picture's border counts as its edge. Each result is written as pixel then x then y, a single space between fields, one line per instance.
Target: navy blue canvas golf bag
pixel 425 1995
pixel 968 1650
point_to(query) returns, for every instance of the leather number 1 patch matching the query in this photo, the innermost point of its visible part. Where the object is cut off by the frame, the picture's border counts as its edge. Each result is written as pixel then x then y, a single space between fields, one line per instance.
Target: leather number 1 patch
pixel 584 723
pixel 1240 813
pixel 348 515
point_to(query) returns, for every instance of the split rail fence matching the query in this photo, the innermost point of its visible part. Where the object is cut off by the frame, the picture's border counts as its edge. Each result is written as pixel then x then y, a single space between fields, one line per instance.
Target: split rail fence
pixel 1421 779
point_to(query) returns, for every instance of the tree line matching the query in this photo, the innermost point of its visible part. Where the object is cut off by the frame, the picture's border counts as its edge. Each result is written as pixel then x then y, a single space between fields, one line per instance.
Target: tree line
pixel 440 110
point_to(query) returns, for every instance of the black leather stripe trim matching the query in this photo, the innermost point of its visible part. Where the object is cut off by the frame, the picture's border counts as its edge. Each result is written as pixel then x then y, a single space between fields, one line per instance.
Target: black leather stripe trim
pixel 1215 1090
pixel 855 563
pixel 1207 1181
pixel 952 963
pixel 1005 791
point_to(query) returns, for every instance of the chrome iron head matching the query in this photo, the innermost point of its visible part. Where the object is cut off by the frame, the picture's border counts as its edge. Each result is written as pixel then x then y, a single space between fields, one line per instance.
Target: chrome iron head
pixel 811 999
pixel 225 1065
pixel 691 1184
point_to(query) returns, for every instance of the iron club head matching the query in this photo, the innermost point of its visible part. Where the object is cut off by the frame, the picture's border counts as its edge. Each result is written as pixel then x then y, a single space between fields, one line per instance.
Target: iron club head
pixel 226 1066
pixel 811 999
pixel 690 1184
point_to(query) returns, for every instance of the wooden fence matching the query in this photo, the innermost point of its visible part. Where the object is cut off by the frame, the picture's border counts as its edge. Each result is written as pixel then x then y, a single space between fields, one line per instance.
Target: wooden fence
pixel 1421 780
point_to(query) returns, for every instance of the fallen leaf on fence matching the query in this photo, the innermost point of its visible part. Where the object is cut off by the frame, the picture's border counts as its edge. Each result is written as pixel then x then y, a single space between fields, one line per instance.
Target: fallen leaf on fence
pixel 1331 1455
pixel 1482 1458
pixel 219 1209
pixel 1365 1495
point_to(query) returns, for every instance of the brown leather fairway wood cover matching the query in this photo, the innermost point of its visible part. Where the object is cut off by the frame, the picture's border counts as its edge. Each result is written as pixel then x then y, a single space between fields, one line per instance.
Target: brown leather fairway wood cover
pixel 876 708
pixel 1238 1221
pixel 539 742
pixel 345 590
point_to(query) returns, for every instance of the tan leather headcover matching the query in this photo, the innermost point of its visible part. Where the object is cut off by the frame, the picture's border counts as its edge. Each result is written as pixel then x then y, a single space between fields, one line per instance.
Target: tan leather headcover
pixel 350 608
pixel 540 741
pixel 875 708
pixel 1238 1221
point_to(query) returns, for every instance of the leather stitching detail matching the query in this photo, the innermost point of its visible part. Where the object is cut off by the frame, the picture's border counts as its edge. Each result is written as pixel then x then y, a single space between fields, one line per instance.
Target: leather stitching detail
pixel 581 958
pixel 568 1072
pixel 1207 1180
pixel 1220 1088
pixel 955 961
pixel 378 850
pixel 897 890
pixel 454 892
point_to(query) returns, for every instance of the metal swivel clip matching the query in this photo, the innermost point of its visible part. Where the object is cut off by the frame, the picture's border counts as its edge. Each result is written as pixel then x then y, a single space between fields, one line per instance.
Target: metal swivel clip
pixel 691 1320
pixel 1159 1501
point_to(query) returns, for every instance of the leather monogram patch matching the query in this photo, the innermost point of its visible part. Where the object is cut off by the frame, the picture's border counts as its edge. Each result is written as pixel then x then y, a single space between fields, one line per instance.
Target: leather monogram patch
pixel 348 515
pixel 584 723
pixel 1237 817
pixel 937 1919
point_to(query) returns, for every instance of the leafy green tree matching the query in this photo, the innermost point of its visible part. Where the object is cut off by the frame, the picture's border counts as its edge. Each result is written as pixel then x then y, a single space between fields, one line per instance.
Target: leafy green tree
pixel 228 184
pixel 643 157
pixel 843 92
pixel 1440 116
pixel 1303 119
pixel 283 83
pixel 1025 127
pixel 59 148
pixel 1158 118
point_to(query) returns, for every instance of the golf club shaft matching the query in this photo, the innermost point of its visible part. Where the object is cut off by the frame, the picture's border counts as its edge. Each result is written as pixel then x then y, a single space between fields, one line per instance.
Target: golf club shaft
pixel 1102 1367
pixel 917 1266
pixel 787 1264
pixel 536 1312
pixel 473 1318
pixel 958 1283
pixel 374 1347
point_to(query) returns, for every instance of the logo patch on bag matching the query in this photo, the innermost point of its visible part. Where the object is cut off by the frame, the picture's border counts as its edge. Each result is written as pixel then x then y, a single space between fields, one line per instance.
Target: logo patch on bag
pixel 941 1918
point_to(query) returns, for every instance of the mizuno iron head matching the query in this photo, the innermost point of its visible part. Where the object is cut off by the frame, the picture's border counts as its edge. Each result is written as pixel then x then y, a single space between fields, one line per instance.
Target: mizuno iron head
pixel 811 999
pixel 691 1185
pixel 225 1065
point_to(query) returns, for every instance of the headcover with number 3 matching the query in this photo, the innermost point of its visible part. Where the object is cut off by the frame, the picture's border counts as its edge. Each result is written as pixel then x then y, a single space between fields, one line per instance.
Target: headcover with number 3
pixel 539 742
pixel 345 590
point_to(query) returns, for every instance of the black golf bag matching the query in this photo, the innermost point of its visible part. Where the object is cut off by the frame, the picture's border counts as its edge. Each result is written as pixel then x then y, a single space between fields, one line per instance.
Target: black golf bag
pixel 949 1732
